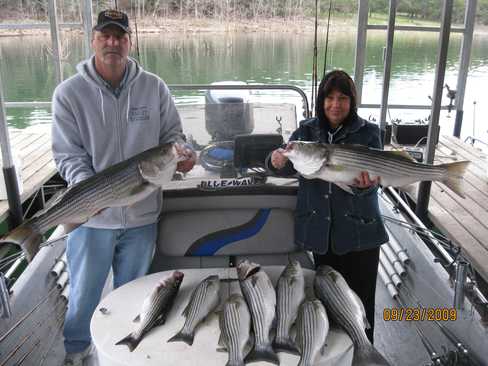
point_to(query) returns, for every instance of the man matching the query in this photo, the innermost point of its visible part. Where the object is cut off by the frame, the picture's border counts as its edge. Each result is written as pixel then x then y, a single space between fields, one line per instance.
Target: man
pixel 108 112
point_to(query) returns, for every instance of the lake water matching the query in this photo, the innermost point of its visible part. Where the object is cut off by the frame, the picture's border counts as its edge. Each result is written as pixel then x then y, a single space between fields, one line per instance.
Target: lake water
pixel 28 74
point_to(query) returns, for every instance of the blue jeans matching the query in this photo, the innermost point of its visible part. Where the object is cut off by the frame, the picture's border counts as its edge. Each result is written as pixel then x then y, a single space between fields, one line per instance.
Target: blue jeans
pixel 91 253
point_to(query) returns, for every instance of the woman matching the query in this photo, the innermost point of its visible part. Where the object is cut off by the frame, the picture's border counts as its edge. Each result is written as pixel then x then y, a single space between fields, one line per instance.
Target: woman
pixel 341 229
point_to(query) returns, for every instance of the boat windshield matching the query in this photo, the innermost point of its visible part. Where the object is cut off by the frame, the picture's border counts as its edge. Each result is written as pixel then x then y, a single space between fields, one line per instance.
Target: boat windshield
pixel 232 132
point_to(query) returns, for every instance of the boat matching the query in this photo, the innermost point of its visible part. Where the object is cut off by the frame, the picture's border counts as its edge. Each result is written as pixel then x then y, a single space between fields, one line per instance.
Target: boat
pixel 247 214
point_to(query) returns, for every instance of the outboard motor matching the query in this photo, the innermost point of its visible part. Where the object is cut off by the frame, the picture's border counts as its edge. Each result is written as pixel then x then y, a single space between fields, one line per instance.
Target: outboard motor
pixel 228 112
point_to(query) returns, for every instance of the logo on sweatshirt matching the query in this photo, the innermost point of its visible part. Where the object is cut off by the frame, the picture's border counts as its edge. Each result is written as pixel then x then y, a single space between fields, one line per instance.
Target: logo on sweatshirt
pixel 139 114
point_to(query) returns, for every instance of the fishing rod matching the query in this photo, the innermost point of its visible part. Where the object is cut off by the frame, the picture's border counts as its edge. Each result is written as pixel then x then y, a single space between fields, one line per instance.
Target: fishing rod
pixel 460 355
pixel 327 39
pixel 21 320
pixel 314 62
pixel 27 337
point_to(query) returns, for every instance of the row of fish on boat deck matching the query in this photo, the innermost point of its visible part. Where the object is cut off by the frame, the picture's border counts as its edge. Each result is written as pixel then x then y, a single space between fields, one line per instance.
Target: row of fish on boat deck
pixel 248 321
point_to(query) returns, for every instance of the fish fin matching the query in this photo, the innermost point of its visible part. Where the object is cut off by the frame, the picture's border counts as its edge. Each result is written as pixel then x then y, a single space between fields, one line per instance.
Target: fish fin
pixel 221 349
pixel 130 341
pixel 249 344
pixel 137 319
pixel 323 349
pixel 182 337
pixel 455 176
pixel 187 307
pixel 27 237
pixel 286 345
pixel 363 311
pixel 69 227
pixel 265 354
pixel 161 320
pixel 368 355
pixel 344 187
pixel 403 154
pixel 221 342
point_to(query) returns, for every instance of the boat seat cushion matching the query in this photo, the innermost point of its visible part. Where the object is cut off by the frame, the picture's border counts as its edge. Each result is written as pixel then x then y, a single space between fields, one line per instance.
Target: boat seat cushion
pixel 226 232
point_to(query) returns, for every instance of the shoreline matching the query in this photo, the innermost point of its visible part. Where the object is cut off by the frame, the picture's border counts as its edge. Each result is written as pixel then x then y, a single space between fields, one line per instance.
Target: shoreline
pixel 178 26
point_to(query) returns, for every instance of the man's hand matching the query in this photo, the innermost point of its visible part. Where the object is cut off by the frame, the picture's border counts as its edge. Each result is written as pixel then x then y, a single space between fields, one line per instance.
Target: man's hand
pixel 364 181
pixel 278 160
pixel 188 158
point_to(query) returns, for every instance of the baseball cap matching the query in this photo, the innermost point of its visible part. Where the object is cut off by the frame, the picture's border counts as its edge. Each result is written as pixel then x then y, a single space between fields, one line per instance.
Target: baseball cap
pixel 115 17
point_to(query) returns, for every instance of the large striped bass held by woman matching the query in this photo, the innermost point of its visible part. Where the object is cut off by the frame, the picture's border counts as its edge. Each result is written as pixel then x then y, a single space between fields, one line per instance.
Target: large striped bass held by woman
pixel 342 164
pixel 122 184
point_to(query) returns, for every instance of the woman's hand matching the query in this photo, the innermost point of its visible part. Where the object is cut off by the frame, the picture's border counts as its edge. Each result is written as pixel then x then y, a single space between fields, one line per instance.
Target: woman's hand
pixel 365 181
pixel 278 160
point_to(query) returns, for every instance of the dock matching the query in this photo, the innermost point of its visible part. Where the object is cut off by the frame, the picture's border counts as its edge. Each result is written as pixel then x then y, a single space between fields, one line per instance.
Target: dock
pixel 463 220
pixel 34 148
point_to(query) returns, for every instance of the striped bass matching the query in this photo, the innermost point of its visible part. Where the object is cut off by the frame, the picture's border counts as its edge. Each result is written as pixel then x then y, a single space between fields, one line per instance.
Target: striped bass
pixel 155 309
pixel 290 293
pixel 122 184
pixel 235 328
pixel 342 164
pixel 312 329
pixel 346 308
pixel 204 299
pixel 261 299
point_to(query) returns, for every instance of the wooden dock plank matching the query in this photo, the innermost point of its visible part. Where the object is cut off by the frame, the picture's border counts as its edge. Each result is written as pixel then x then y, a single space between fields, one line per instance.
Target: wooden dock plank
pixel 37 163
pixel 463 221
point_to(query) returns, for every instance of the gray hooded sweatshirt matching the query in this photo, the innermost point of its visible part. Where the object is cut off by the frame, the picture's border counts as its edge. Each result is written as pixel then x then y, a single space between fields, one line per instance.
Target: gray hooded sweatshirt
pixel 93 130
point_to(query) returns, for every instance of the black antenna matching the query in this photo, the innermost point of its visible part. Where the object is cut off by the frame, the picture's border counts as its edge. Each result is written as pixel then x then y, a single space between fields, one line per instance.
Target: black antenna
pixel 314 64
pixel 327 39
pixel 116 5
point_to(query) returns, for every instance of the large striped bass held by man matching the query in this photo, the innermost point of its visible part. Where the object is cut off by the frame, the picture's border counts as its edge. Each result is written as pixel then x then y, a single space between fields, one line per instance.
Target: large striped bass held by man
pixel 122 184
pixel 342 164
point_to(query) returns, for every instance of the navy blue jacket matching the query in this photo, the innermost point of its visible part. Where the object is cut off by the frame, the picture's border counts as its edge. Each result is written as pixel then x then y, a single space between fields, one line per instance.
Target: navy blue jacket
pixel 327 216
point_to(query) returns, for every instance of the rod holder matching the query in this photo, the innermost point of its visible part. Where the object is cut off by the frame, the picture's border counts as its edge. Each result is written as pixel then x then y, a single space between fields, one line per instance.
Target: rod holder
pixel 460 284
pixel 4 298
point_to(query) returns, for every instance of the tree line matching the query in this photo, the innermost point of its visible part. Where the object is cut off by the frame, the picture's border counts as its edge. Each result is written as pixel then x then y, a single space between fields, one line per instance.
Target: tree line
pixel 228 10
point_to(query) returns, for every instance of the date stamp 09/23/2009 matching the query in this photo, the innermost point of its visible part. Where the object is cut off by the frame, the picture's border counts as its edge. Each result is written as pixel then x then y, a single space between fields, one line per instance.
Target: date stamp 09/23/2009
pixel 419 314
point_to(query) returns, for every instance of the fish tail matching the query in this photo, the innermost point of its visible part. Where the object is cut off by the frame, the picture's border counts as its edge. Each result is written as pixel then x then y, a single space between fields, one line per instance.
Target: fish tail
pixel 262 354
pixel 182 337
pixel 304 362
pixel 237 362
pixel 130 341
pixel 25 236
pixel 368 355
pixel 285 345
pixel 455 174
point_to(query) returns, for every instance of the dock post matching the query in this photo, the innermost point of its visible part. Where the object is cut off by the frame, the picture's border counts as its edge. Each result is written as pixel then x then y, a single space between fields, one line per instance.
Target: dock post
pixel 424 187
pixel 53 22
pixel 469 19
pixel 87 25
pixel 11 184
